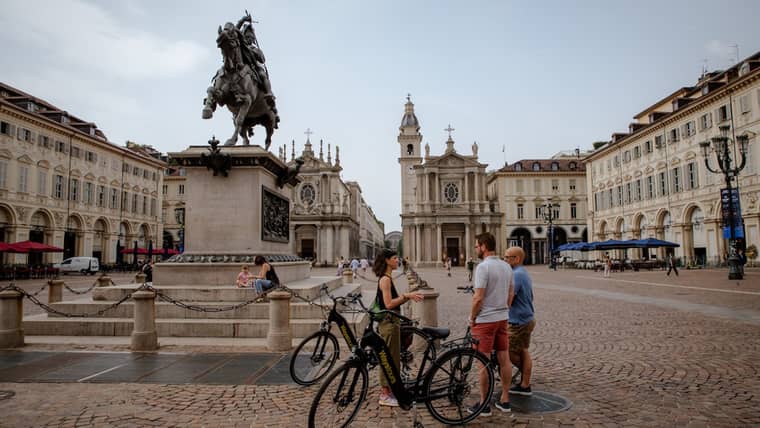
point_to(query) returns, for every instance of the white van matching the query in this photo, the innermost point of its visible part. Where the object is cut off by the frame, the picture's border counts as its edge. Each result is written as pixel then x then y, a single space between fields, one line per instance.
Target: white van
pixel 84 265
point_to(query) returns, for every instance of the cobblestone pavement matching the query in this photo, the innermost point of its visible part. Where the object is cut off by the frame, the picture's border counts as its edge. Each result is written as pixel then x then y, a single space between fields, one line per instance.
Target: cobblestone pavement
pixel 638 349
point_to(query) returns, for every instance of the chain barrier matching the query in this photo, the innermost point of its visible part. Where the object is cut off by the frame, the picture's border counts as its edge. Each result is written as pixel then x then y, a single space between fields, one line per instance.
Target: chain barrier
pixel 51 310
pixel 95 284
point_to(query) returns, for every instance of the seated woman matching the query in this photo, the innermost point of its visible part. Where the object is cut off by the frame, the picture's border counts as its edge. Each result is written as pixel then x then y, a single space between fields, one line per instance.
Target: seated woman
pixel 243 277
pixel 267 277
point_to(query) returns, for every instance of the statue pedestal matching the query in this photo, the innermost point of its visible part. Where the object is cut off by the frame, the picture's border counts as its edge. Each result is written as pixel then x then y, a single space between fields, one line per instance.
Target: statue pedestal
pixel 230 219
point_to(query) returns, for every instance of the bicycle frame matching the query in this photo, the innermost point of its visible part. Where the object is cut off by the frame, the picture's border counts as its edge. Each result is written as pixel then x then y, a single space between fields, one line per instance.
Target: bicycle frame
pixel 343 326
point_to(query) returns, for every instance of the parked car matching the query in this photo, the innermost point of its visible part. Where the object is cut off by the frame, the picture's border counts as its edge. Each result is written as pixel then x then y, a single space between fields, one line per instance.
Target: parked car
pixel 83 265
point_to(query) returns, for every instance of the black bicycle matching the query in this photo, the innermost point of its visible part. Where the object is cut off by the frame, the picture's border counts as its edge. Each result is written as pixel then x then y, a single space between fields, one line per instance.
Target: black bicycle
pixel 316 355
pixel 446 384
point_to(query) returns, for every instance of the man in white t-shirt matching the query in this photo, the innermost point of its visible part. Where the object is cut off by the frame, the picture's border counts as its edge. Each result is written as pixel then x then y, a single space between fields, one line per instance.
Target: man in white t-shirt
pixel 489 315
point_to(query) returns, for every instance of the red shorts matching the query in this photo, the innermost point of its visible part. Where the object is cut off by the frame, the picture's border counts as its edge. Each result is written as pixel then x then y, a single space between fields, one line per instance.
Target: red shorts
pixel 491 335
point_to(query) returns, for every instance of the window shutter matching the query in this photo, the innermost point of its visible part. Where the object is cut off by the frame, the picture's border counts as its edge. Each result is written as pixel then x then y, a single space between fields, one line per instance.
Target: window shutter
pixel 11 129
pixel 32 137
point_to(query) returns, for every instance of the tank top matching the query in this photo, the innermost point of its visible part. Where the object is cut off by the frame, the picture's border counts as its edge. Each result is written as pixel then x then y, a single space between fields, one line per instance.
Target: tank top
pixel 272 275
pixel 379 295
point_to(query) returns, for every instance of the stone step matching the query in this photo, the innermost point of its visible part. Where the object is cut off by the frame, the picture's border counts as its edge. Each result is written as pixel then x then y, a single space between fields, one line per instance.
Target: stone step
pixel 308 288
pixel 166 310
pixel 41 325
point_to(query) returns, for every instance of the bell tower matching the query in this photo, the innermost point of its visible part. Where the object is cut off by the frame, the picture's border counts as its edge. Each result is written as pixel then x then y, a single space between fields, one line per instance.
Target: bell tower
pixel 409 140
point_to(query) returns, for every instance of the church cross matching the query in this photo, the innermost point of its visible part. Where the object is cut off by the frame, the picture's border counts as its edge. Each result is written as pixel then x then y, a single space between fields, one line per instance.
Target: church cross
pixel 308 133
pixel 449 129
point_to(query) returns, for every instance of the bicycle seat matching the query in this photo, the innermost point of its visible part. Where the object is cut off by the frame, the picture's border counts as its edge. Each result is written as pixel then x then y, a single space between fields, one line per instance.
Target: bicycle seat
pixel 437 332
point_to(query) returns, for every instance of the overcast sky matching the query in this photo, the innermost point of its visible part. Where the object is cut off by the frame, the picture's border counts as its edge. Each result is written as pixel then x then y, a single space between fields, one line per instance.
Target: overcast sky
pixel 533 77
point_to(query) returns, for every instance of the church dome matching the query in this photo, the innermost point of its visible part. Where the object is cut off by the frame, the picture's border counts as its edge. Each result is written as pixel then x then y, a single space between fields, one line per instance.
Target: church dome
pixel 409 119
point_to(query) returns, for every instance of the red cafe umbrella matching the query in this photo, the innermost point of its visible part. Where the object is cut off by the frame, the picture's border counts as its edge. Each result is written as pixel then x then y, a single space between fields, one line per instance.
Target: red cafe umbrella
pixel 6 248
pixel 34 247
pixel 132 250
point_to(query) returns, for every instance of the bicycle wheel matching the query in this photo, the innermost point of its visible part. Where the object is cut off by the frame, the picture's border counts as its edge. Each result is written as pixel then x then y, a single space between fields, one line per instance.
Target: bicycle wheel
pixel 453 384
pixel 314 358
pixel 340 397
pixel 413 345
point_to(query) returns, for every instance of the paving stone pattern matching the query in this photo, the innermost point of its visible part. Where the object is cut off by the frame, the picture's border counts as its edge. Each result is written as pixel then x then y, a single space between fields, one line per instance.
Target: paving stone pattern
pixel 627 351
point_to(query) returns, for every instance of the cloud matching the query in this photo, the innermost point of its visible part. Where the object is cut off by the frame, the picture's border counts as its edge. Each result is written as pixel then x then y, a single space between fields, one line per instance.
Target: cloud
pixel 79 35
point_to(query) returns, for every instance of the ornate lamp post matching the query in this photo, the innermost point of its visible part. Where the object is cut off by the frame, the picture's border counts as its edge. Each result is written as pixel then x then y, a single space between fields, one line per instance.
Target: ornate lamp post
pixel 549 218
pixel 730 195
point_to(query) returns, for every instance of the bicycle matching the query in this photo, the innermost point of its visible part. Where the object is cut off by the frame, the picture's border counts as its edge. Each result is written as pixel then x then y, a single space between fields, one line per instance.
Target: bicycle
pixel 445 386
pixel 516 373
pixel 316 355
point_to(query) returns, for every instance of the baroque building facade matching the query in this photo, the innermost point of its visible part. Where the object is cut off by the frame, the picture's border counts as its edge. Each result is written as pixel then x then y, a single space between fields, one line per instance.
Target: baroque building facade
pixel 523 190
pixel 329 217
pixel 443 199
pixel 652 180
pixel 63 183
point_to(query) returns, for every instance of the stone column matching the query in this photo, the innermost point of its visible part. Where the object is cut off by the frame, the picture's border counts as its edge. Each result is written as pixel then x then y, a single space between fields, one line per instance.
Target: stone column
pixel 55 290
pixel 348 276
pixel 466 192
pixel 278 336
pixel 468 243
pixel 428 308
pixel 292 240
pixel 329 249
pixel 318 245
pixel 144 335
pixel 11 312
pixel 139 278
pixel 439 249
pixel 417 252
pixel 104 281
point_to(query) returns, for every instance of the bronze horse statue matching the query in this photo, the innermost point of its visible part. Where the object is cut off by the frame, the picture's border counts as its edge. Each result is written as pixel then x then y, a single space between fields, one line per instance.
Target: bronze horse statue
pixel 236 85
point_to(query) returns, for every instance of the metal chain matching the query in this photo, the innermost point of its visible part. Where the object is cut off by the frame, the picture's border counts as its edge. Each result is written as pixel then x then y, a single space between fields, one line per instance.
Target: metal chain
pixel 95 284
pixel 51 310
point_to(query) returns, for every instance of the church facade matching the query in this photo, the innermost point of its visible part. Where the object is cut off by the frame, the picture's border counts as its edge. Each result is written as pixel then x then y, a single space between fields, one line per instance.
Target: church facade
pixel 444 204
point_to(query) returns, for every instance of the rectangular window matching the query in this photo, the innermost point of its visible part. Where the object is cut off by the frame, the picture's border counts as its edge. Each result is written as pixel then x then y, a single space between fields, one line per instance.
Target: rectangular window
pixel 42 182
pixel 73 189
pixel 520 212
pixel 181 190
pixel 596 201
pixel 153 207
pixel 650 187
pixel 658 141
pixel 58 186
pixel 744 104
pixel 673 135
pixel 145 205
pixel 24 134
pixel 572 185
pixel 88 193
pixel 114 199
pixel 23 179
pixel 91 157
pixel 135 171
pixel 662 183
pixel 163 215
pixel 101 196
pixel 637 190
pixel 555 210
pixel 3 173
pixel 126 168
pixel 610 199
pixel 705 121
pixel 722 113
pixel 60 147
pixel 179 215
pixel 619 195
pixel 75 152
pixel 690 128
pixel 648 146
pixel 164 189
pixel 555 185
pixel 134 203
pixel 636 152
pixel 617 160
pixel 539 211
pixel 628 198
pixel 573 210
pixel 124 200
pixel 43 141
pixel 6 128
pixel 691 171
pixel 519 186
pixel 676 180
pixel 146 174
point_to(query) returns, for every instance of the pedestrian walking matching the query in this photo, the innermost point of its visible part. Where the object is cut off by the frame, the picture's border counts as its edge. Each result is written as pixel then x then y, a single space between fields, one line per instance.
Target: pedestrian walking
pixel 607 264
pixel 448 266
pixel 522 320
pixel 488 317
pixel 672 264
pixel 470 268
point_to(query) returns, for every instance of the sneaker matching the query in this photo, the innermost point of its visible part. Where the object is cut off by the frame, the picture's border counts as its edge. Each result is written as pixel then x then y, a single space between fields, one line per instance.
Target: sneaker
pixel 504 407
pixel 474 408
pixel 388 400
pixel 520 390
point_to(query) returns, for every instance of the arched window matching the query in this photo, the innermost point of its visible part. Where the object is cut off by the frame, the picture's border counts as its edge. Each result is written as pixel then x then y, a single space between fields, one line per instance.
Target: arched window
pixel 536 166
pixel 555 166
pixel 518 166
pixel 409 149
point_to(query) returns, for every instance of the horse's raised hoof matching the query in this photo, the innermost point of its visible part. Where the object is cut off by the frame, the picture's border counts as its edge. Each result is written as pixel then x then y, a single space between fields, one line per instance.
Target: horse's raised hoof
pixel 206 113
pixel 230 142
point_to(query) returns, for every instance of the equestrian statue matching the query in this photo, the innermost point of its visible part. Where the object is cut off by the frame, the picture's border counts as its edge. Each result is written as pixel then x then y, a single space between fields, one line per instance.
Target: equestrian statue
pixel 242 83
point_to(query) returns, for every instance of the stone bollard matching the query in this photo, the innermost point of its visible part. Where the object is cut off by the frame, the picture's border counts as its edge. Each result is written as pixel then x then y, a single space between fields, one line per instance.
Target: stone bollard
pixel 11 311
pixel 104 281
pixel 278 336
pixel 348 276
pixel 55 290
pixel 144 336
pixel 140 278
pixel 428 308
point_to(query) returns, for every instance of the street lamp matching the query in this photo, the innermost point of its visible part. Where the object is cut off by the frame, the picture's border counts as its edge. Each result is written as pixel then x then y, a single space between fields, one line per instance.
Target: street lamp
pixel 730 207
pixel 549 218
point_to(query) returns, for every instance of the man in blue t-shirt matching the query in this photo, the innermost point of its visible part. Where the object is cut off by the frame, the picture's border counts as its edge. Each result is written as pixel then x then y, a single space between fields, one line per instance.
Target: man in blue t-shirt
pixel 521 320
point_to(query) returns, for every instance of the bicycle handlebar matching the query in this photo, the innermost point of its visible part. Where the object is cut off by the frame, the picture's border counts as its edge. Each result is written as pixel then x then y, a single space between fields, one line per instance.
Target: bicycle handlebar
pixel 386 311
